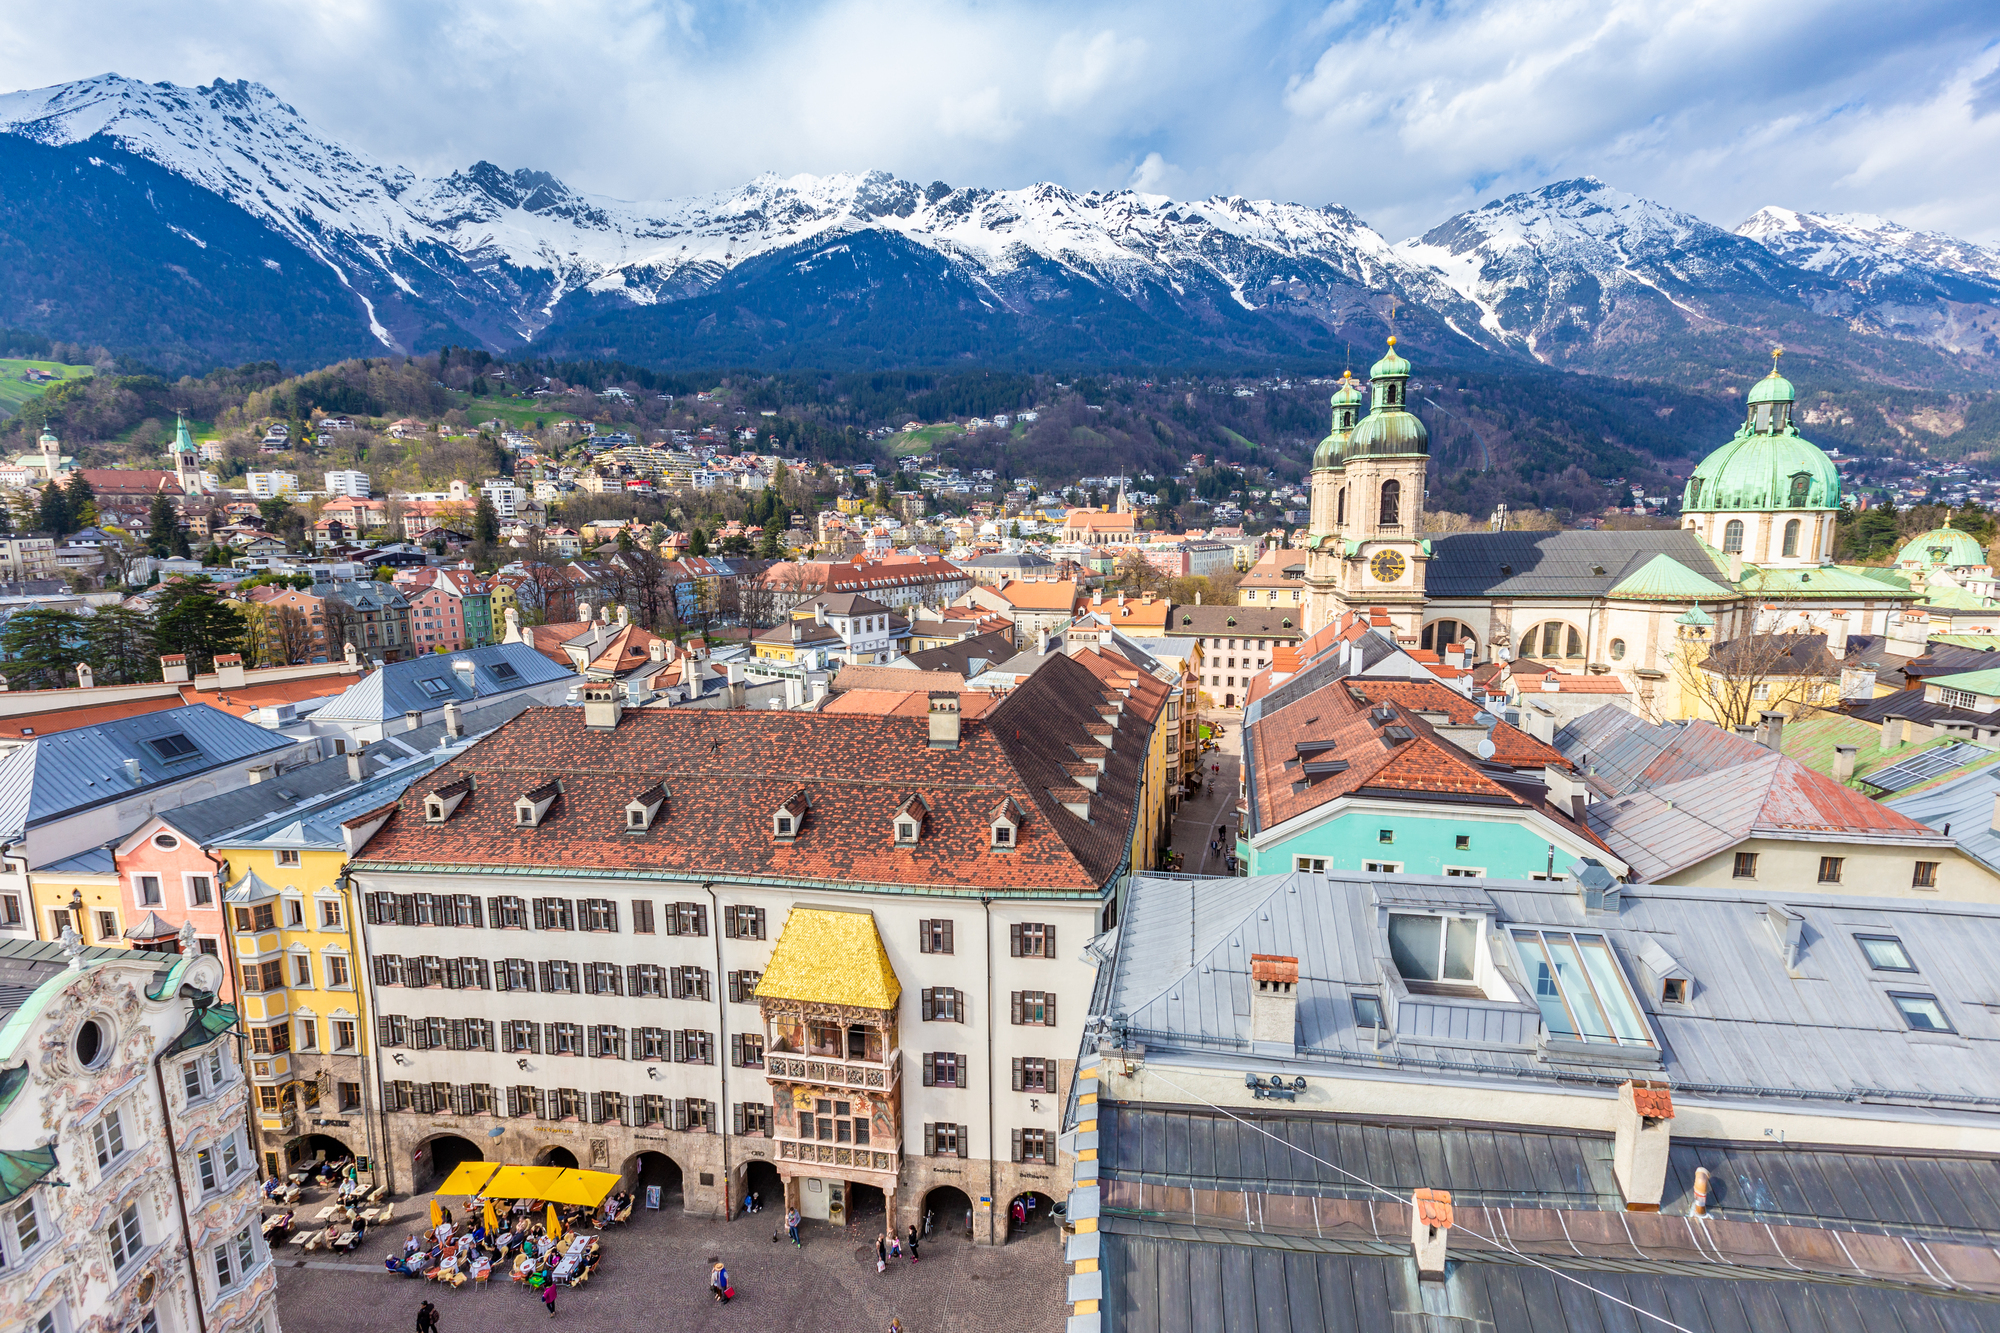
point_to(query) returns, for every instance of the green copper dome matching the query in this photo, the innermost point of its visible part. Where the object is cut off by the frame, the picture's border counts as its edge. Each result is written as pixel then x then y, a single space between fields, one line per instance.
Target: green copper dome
pixel 1944 547
pixel 1768 466
pixel 1390 427
pixel 1346 406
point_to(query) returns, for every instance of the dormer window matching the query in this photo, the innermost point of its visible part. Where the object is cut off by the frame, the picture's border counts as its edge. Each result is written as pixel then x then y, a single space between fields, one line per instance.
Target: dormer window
pixel 439 803
pixel 906 831
pixel 643 809
pixel 531 806
pixel 1003 835
pixel 1580 987
pixel 1434 949
pixel 789 818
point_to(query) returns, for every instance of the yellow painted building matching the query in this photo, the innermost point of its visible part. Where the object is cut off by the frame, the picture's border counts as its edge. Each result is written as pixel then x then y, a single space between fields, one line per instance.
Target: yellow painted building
pixel 81 891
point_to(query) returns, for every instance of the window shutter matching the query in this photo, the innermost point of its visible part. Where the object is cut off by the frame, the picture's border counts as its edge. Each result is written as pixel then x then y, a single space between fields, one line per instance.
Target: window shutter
pixel 760 922
pixel 541 1104
pixel 493 911
pixel 590 980
pixel 739 1117
pixel 597 1113
pixel 930 1140
pixel 449 973
pixel 1017 1139
pixel 673 919
pixel 1049 940
pixel 947 937
pixel 965 1140
pixel 457 1040
pixel 550 1037
pixel 631 978
pixel 513 1100
pixel 506 1038
pixel 642 917
pixel 381 970
pixel 470 909
pixel 930 1069
pixel 1049 1008
pixel 406 910
pixel 383 1031
pixel 611 915
pixel 729 922
pixel 680 1047
pixel 926 1000
pixel 736 1049
pixel 485 974
pixel 539 916
pixel 1020 1084
pixel 542 968
pixel 674 981
pixel 1017 1008
pixel 1014 942
pixel 924 940
pixel 700 919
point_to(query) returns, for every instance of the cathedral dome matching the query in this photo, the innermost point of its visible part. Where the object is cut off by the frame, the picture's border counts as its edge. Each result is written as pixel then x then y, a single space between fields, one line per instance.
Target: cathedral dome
pixel 1346 402
pixel 1390 428
pixel 1769 465
pixel 1944 547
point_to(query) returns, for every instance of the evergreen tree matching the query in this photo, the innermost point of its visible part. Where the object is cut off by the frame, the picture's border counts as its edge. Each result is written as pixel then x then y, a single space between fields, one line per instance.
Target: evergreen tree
pixel 163 522
pixel 770 548
pixel 118 644
pixel 485 521
pixel 82 498
pixel 625 540
pixel 43 647
pixel 52 514
pixel 189 619
pixel 697 542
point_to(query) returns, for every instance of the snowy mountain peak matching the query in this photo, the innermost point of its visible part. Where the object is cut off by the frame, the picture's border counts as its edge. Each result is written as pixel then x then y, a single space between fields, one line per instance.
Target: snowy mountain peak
pixel 1864 247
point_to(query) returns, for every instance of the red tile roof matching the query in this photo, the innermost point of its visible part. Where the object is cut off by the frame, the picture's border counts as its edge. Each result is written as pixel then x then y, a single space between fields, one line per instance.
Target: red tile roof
pixel 1511 746
pixel 729 771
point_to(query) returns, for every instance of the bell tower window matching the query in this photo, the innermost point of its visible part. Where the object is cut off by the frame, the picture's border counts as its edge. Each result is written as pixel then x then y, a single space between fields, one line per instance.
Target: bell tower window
pixel 1764 418
pixel 1732 537
pixel 1792 537
pixel 1340 508
pixel 1392 503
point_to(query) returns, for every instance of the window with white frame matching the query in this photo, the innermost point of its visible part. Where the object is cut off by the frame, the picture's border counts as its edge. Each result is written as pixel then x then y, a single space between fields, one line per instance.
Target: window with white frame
pixel 1434 948
pixel 21 1232
pixel 146 889
pixel 1465 872
pixel 200 891
pixel 337 975
pixel 234 1259
pixel 302 970
pixel 126 1237
pixel 329 914
pixel 107 1137
pixel 288 858
pixel 1311 865
pixel 1382 867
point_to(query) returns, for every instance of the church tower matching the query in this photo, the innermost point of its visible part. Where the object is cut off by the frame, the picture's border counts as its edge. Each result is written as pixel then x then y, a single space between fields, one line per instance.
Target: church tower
pixel 1366 550
pixel 186 458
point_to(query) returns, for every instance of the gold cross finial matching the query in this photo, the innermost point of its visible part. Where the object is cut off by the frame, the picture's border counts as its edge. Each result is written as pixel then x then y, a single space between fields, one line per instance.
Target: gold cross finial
pixel 1776 352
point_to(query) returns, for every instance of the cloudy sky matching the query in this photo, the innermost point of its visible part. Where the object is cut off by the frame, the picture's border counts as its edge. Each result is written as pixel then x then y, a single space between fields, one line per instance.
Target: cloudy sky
pixel 1404 111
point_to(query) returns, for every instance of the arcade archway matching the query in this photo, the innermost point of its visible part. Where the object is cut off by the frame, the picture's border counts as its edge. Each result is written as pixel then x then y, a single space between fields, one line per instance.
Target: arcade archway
pixel 436 1158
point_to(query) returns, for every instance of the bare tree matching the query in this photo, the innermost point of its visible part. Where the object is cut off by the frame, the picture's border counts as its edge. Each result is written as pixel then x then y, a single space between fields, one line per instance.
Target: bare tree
pixel 290 634
pixel 1731 683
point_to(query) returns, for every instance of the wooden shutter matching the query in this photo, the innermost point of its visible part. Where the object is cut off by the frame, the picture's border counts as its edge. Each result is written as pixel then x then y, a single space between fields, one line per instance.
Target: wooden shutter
pixel 758 925
pixel 642 916
pixel 964 1140
pixel 506 1038
pixel 736 1049
pixel 541 1103
pixel 1049 1008
pixel 493 912
pixel 485 974
pixel 597 1112
pixel 1017 1138
pixel 1014 944
pixel 611 915
pixel 947 936
pixel 700 919
pixel 384 1033
pixel 930 1069
pixel 673 919
pixel 1020 1085
pixel 406 910
pixel 1049 940
pixel 680 1046
pixel 540 915
pixel 1017 1008
pixel 471 905
pixel 455 1037
pixel 930 1140
pixel 729 922
pixel 632 979
pixel 739 1117
pixel 926 1002
pixel 924 940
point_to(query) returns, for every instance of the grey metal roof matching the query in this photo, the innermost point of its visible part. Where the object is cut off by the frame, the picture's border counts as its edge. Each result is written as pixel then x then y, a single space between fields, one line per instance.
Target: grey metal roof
pixel 1936 1196
pixel 390 691
pixel 52 776
pixel 1558 564
pixel 204 821
pixel 991 650
pixel 26 964
pixel 1912 704
pixel 1180 1280
pixel 1965 804
pixel 1749 1029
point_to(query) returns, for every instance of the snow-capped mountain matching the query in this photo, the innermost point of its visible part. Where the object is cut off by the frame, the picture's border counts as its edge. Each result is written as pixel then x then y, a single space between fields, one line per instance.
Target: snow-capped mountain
pixel 200 224
pixel 1923 284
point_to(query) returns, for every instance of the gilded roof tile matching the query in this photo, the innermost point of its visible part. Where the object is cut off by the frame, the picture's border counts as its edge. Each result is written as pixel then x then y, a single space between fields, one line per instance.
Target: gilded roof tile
pixel 828 957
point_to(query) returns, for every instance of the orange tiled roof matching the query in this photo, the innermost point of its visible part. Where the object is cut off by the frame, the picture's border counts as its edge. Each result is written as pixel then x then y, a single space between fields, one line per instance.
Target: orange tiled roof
pixel 907 703
pixel 1511 746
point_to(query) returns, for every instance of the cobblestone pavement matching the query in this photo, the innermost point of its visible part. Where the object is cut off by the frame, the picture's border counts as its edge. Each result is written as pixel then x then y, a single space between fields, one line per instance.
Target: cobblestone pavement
pixel 655 1273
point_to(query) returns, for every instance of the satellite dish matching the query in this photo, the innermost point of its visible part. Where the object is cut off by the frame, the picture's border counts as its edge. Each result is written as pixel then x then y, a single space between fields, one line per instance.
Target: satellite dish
pixel 1486 749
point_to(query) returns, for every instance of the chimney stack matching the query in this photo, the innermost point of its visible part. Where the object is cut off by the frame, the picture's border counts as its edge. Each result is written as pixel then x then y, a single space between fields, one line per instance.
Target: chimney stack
pixel 412 719
pixel 657 650
pixel 1274 1004
pixel 174 669
pixel 583 611
pixel 1430 1227
pixel 229 671
pixel 738 692
pixel 1567 792
pixel 1843 762
pixel 452 726
pixel 600 705
pixel 1736 566
pixel 1836 634
pixel 1892 731
pixel 354 770
pixel 944 720
pixel 1772 732
pixel 132 772
pixel 84 678
pixel 1643 1131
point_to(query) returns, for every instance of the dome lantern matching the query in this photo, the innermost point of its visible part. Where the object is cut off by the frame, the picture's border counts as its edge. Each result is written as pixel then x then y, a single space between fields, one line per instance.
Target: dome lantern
pixel 1346 402
pixel 1390 427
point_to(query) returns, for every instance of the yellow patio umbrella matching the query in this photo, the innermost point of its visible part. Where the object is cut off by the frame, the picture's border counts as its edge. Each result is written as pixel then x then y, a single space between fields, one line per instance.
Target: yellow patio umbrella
pixel 468 1177
pixel 585 1189
pixel 521 1182
pixel 555 1227
pixel 437 1217
pixel 492 1224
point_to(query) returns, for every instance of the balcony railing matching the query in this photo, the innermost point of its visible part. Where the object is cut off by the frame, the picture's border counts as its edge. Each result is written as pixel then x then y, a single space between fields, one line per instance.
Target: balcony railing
pixel 832 1154
pixel 831 1073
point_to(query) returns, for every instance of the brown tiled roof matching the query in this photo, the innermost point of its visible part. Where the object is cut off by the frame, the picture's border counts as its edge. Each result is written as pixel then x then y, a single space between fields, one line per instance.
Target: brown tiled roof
pixel 898 679
pixel 1239 621
pixel 731 769
pixel 905 703
pixel 1511 746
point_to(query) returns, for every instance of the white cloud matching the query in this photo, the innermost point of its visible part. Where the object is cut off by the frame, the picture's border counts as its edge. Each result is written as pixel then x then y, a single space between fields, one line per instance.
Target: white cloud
pixel 1405 110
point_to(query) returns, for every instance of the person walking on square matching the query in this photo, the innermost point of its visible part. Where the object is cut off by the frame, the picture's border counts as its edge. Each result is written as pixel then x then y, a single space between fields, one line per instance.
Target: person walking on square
pixel 549 1298
pixel 427 1318
pixel 718 1283
pixel 913 1242
pixel 881 1253
pixel 792 1225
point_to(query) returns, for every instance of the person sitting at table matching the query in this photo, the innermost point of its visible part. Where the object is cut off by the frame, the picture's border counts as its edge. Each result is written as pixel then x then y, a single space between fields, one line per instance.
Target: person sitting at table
pixel 271 1187
pixel 414 1265
pixel 392 1263
pixel 411 1245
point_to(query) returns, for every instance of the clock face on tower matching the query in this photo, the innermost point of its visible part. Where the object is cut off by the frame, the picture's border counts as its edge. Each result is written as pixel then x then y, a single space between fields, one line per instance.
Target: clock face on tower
pixel 1387 566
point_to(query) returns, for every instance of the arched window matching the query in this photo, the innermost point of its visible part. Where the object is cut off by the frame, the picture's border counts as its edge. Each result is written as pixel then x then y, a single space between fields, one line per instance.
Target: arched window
pixel 1792 537
pixel 1732 537
pixel 1392 503
pixel 1340 508
pixel 1801 483
pixel 1441 634
pixel 1551 640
